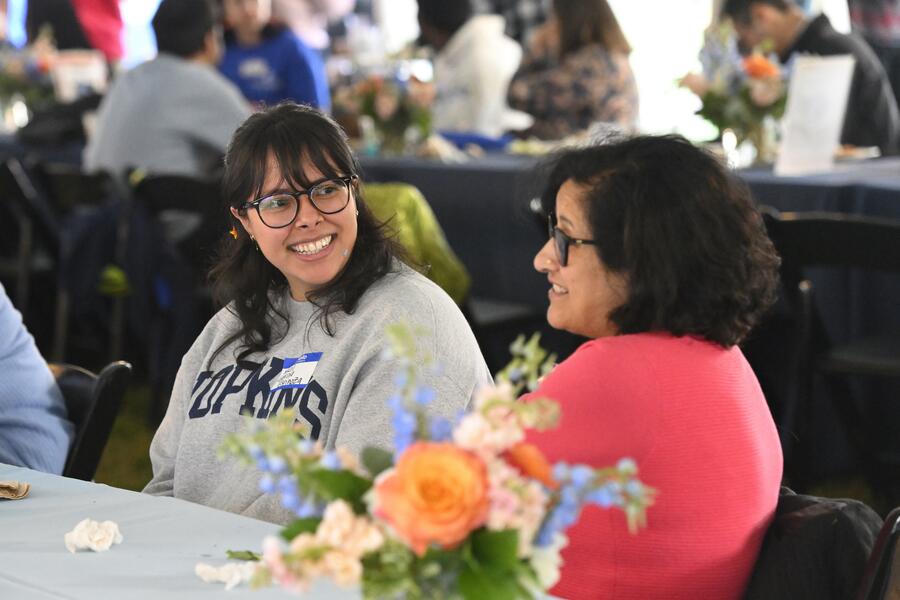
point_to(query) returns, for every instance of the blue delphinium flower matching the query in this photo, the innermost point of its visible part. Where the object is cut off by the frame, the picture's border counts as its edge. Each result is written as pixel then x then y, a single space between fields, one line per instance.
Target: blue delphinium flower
pixel 287 484
pixel 603 496
pixel 562 516
pixel 308 508
pixel 305 446
pixel 404 423
pixel 441 429
pixel 266 484
pixel 400 379
pixel 330 461
pixel 425 395
pixel 276 464
pixel 290 501
pixel 581 476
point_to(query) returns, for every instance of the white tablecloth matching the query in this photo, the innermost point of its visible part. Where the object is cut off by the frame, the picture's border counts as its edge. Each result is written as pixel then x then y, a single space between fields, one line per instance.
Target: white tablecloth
pixel 163 539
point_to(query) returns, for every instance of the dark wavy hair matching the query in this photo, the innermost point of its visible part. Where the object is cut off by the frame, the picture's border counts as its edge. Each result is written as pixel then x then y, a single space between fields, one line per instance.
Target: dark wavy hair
pixel 242 277
pixel 681 228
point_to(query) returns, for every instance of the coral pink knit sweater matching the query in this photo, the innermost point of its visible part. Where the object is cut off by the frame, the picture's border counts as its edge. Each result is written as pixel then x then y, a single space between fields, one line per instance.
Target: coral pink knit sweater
pixel 694 418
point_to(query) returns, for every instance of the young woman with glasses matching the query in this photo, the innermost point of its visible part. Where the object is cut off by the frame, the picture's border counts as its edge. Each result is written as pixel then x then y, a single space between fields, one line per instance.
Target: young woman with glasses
pixel 309 283
pixel 657 254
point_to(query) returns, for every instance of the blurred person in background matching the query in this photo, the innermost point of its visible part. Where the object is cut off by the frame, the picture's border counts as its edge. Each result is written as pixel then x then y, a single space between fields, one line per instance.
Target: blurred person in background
pixel 878 22
pixel 79 24
pixel 173 114
pixel 270 63
pixel 473 66
pixel 34 431
pixel 576 72
pixel 309 19
pixel 872 117
pixel 522 17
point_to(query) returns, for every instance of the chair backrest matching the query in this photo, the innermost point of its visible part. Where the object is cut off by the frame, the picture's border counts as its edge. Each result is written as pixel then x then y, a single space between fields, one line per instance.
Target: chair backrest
pixel 68 187
pixel 92 402
pixel 182 195
pixel 810 239
pixel 814 548
pixel 881 579
pixel 18 189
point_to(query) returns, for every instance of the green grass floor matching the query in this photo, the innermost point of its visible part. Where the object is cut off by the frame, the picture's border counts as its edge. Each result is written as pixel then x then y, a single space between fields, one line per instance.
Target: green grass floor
pixel 126 459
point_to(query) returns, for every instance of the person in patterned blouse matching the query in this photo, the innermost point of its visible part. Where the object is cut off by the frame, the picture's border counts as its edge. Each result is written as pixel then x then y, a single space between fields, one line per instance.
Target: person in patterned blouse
pixel 576 72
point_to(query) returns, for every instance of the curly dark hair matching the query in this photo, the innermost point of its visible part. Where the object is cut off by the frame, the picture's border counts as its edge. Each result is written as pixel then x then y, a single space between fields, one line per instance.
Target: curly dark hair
pixel 681 228
pixel 242 276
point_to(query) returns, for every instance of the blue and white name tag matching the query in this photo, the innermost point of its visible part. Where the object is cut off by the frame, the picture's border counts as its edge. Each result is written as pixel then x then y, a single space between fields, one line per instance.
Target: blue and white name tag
pixel 297 372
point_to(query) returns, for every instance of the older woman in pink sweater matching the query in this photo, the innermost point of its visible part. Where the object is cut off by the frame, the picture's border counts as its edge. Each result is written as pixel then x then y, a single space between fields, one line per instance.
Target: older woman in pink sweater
pixel 658 255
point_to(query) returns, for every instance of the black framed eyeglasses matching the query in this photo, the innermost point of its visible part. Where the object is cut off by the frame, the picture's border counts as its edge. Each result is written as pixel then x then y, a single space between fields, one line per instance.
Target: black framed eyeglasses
pixel 328 196
pixel 562 241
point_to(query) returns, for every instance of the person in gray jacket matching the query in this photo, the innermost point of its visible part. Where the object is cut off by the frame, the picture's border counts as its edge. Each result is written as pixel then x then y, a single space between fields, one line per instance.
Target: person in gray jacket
pixel 309 285
pixel 172 115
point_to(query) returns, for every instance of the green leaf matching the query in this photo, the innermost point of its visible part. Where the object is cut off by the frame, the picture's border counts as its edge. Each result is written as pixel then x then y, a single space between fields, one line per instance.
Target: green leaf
pixel 341 485
pixel 243 555
pixel 496 549
pixel 481 583
pixel 376 460
pixel 300 526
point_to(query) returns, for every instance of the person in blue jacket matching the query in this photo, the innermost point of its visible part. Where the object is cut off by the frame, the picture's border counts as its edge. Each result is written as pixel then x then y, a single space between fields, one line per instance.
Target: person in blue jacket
pixel 268 62
pixel 34 430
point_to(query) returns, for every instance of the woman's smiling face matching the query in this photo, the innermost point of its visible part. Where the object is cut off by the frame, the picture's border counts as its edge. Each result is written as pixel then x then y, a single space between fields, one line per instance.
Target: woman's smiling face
pixel 312 250
pixel 583 292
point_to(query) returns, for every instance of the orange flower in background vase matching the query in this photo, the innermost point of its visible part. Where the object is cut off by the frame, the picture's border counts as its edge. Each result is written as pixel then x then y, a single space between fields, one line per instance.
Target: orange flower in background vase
pixel 758 66
pixel 531 462
pixel 436 493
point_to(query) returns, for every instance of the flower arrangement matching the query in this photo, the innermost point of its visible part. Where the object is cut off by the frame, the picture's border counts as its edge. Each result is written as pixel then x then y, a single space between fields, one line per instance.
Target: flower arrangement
pixel 743 94
pixel 25 74
pixel 393 111
pixel 458 510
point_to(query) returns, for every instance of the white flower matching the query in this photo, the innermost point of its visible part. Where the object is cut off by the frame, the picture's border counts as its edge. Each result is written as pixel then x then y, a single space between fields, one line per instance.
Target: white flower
pixel 488 435
pixel 91 535
pixel 546 561
pixel 231 574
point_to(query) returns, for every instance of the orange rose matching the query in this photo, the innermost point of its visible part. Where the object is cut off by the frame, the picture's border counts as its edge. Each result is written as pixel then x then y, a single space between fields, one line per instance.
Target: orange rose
pixel 530 461
pixel 437 493
pixel 758 66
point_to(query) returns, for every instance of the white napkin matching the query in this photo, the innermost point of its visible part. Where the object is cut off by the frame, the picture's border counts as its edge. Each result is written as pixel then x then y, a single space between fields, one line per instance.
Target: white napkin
pixel 231 574
pixel 91 535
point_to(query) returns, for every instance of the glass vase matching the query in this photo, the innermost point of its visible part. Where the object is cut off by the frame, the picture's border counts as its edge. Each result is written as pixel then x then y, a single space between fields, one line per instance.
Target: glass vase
pixel 763 136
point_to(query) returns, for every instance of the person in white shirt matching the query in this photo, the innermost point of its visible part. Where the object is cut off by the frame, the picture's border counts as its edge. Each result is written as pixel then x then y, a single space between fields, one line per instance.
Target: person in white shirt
pixel 474 64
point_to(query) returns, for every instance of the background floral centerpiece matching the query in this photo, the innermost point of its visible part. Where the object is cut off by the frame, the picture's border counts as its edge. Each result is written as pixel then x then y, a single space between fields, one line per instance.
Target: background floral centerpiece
pixel 465 509
pixel 393 112
pixel 744 94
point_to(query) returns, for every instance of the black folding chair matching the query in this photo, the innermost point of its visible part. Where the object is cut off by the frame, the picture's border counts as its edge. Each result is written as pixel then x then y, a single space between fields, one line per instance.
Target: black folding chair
pixel 183 299
pixel 815 548
pixel 92 402
pixel 881 579
pixel 808 240
pixel 37 253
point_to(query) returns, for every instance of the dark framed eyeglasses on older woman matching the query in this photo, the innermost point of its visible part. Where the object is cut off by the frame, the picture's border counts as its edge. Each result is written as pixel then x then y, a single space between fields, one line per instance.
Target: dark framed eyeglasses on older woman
pixel 562 241
pixel 328 196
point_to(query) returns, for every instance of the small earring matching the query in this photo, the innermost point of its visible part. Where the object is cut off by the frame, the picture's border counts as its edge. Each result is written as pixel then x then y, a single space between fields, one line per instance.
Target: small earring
pixel 357 212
